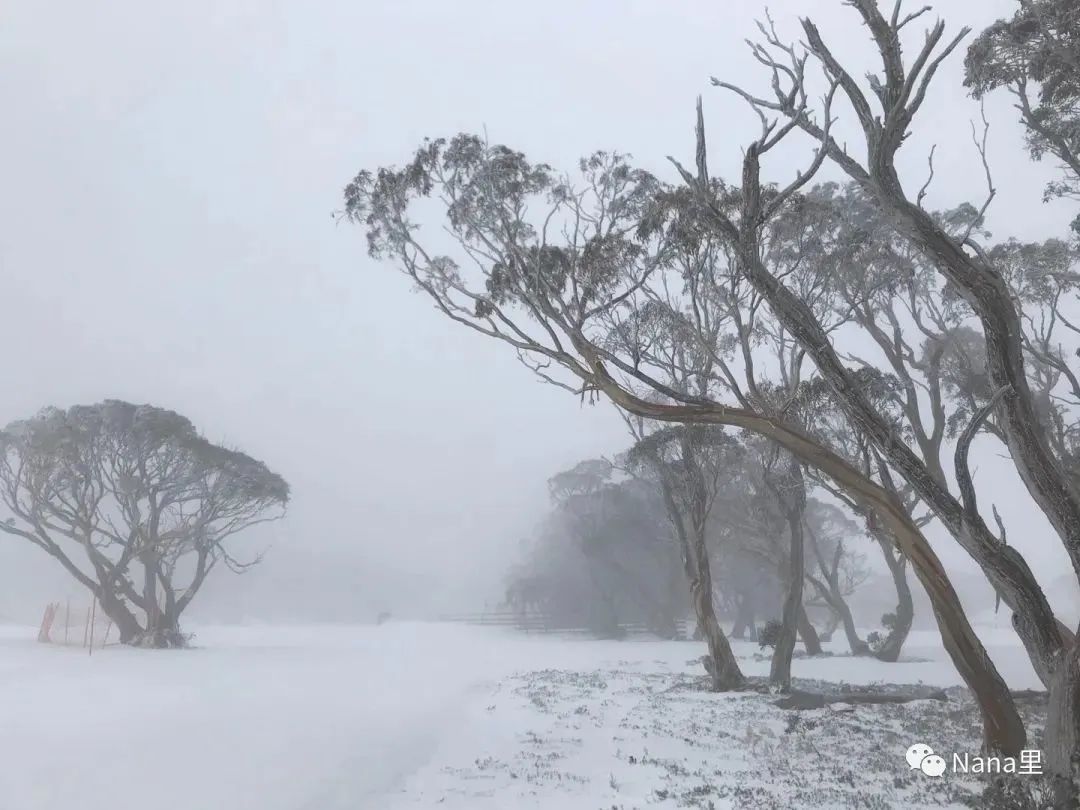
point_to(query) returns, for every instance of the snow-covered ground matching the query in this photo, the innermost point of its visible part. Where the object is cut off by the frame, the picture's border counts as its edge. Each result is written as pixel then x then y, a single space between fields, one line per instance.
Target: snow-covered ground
pixel 437 715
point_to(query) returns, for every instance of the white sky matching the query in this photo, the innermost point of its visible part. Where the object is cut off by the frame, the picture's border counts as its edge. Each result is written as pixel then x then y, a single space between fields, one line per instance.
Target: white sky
pixel 169 172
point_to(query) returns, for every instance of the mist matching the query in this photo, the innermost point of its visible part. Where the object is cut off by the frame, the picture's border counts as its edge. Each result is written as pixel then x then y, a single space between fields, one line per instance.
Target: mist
pixel 171 176
pixel 173 235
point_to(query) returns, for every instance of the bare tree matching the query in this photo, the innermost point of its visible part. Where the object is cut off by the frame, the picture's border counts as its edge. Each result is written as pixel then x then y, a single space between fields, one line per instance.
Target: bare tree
pixel 103 487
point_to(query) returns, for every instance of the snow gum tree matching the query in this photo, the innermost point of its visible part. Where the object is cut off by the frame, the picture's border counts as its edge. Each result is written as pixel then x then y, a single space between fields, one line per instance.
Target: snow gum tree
pixel 1038 46
pixel 572 276
pixel 691 464
pixel 134 504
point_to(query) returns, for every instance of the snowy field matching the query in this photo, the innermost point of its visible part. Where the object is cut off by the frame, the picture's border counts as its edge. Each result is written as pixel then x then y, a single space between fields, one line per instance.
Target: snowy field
pixel 426 715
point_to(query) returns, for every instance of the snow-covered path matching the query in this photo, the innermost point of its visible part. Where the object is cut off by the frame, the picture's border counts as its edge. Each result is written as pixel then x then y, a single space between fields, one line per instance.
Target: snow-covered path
pixel 276 719
pixel 310 718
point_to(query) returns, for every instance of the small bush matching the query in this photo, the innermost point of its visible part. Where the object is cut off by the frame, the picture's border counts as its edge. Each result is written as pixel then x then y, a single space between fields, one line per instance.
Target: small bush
pixel 876 641
pixel 769 634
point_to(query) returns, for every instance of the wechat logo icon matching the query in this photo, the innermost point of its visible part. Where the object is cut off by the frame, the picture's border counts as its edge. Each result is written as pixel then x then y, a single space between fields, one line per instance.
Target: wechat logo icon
pixel 921 757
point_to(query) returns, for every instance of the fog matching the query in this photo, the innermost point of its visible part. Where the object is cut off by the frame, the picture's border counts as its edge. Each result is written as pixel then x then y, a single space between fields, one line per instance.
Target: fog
pixel 170 175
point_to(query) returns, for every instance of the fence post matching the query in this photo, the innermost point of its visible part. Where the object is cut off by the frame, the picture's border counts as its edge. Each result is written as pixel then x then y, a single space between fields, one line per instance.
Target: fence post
pixel 86 627
pixel 93 618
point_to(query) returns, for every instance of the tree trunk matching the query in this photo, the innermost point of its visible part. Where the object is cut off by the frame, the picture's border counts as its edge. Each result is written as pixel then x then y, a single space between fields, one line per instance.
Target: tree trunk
pixel 979 283
pixel 905 609
pixel 1061 740
pixel 720 663
pixel 986 291
pixel 153 611
pixel 857 645
pixel 830 625
pixel 831 593
pixel 840 614
pixel 808 634
pixel 162 623
pixel 780 669
pixel 744 617
pixel 126 624
pixel 165 634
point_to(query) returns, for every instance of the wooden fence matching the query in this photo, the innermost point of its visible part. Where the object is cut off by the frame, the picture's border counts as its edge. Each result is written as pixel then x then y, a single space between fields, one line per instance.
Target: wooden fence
pixel 533 622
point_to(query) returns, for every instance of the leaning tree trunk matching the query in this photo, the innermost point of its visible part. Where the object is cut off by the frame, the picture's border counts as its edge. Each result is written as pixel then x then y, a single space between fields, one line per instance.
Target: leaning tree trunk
pixel 840 614
pixel 127 625
pixel 720 662
pixel 889 650
pixel 721 665
pixel 808 634
pixel 857 645
pixel 1005 568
